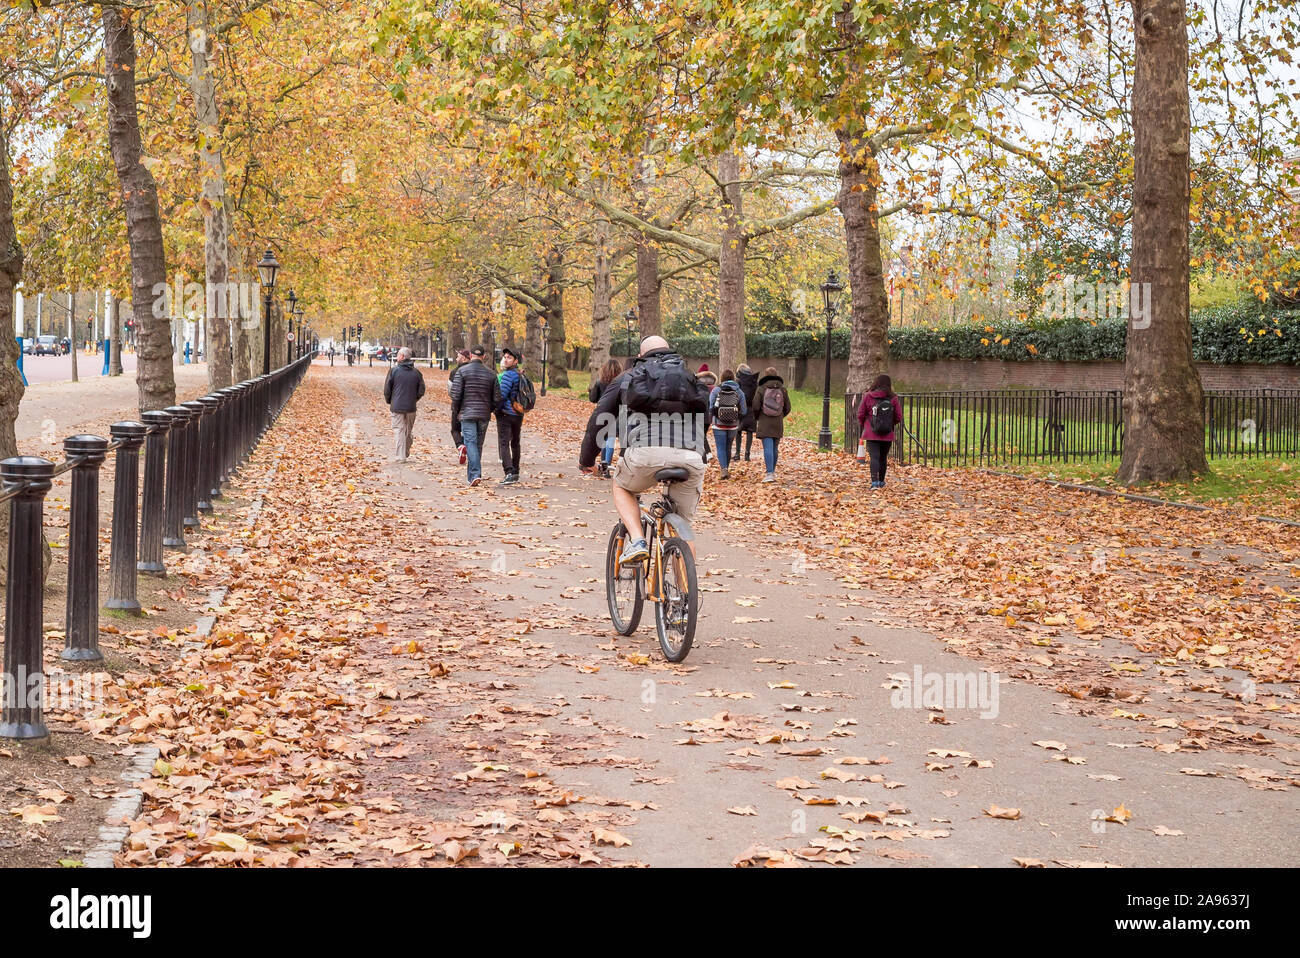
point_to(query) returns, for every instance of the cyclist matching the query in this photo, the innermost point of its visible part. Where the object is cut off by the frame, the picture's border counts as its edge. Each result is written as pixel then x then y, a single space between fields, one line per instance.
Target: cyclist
pixel 659 409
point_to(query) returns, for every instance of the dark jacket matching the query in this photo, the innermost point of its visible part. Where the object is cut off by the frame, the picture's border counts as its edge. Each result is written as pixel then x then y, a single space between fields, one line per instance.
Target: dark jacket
pixel 597 389
pixel 770 427
pixel 404 387
pixel 475 392
pixel 748 384
pixel 688 429
pixel 864 414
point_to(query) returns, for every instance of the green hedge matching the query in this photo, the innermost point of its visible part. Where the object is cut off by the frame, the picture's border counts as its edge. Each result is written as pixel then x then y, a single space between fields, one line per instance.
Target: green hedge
pixel 1226 335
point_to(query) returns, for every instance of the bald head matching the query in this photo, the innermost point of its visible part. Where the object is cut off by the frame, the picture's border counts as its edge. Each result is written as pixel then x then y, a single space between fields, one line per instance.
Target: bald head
pixel 651 343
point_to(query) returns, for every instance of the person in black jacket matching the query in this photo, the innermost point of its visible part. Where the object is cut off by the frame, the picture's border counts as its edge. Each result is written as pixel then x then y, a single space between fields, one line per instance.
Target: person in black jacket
pixel 475 392
pixel 672 433
pixel 747 379
pixel 403 389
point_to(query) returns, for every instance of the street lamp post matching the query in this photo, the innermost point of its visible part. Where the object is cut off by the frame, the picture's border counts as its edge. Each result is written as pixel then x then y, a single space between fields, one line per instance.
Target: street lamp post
pixel 830 294
pixel 267 267
pixel 630 318
pixel 289 314
pixel 544 355
pixel 297 343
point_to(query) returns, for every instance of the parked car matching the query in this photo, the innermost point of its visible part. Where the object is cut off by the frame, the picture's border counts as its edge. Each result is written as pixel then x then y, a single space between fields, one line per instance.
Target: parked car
pixel 45 346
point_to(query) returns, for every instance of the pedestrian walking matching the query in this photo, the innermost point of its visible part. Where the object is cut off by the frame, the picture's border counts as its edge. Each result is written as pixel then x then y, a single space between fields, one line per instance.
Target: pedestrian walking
pixel 474 394
pixel 608 373
pixel 748 380
pixel 403 390
pixel 726 410
pixel 706 376
pixel 771 405
pixel 879 414
pixel 510 415
pixel 462 357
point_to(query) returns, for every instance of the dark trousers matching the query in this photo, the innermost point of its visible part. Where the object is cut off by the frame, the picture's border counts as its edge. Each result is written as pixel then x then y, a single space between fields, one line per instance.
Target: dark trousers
pixel 748 435
pixel 508 442
pixel 878 450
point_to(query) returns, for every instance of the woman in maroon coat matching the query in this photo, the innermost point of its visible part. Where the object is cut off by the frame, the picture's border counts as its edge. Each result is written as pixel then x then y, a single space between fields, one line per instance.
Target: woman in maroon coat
pixel 880 408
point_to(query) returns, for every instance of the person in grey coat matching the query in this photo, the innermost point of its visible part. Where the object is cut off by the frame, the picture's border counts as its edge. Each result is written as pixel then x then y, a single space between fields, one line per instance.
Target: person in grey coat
pixel 403 389
pixel 475 392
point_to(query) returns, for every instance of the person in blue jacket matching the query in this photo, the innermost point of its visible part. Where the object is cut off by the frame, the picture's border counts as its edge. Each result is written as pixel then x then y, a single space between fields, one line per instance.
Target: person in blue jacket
pixel 509 420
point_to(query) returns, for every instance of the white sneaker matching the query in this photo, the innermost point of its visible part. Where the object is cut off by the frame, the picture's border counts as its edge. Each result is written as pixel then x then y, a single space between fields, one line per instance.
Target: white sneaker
pixel 769 478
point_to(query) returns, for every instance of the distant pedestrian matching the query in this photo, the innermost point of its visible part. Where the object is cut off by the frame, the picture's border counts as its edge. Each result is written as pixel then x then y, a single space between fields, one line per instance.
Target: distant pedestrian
pixel 748 380
pixel 879 414
pixel 771 406
pixel 726 410
pixel 510 420
pixel 706 375
pixel 403 389
pixel 608 373
pixel 474 394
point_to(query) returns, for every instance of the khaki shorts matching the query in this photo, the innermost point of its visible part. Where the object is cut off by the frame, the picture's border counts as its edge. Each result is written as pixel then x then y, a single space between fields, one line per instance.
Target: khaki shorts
pixel 637 467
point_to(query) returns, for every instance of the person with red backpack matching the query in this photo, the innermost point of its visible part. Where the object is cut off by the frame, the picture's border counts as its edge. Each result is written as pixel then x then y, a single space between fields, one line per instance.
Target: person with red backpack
pixel 879 414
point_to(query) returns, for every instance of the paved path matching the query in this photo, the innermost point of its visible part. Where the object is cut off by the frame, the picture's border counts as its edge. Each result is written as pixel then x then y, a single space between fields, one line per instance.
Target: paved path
pixel 787 710
pixel 50 411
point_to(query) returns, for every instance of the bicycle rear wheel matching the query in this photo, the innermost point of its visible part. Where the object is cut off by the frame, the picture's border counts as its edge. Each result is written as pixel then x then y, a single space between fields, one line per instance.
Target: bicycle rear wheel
pixel 677 611
pixel 624 590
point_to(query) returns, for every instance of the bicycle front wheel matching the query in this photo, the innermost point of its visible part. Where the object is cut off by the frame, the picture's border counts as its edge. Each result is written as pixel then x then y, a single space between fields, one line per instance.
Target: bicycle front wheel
pixel 623 585
pixel 678 608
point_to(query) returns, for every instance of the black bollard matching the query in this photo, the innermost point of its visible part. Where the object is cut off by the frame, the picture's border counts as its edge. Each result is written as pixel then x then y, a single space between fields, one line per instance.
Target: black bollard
pixel 23 714
pixel 203 457
pixel 157 423
pixel 81 643
pixel 126 482
pixel 216 466
pixel 191 461
pixel 174 510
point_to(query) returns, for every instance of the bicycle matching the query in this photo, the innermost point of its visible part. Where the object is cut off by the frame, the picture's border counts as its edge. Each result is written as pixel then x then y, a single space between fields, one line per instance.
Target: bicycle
pixel 666 577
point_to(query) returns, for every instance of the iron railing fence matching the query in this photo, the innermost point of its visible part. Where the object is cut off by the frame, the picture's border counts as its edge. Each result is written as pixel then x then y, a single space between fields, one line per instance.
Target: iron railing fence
pixel 1004 427
pixel 191 450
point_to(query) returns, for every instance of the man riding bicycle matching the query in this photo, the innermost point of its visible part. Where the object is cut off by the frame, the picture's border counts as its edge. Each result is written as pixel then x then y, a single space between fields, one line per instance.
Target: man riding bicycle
pixel 659 410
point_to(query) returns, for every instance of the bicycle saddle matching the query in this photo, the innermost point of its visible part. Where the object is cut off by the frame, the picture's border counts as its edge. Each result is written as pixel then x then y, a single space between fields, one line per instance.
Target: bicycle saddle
pixel 672 474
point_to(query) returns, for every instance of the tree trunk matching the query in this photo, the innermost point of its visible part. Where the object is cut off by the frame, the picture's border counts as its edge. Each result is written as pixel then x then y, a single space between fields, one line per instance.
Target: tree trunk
pixel 216 230
pixel 731 265
pixel 11 384
pixel 647 258
pixel 1164 426
pixel 533 343
pixel 456 333
pixel 154 377
pixel 557 368
pixel 114 322
pixel 858 202
pixel 601 292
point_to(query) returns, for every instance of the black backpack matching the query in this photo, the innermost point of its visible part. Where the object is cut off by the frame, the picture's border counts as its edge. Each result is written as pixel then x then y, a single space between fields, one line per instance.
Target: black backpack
pixel 726 410
pixel 882 416
pixel 525 396
pixel 658 382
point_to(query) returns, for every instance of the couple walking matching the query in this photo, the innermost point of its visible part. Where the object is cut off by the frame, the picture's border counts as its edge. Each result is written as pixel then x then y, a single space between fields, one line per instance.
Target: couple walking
pixel 477 393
